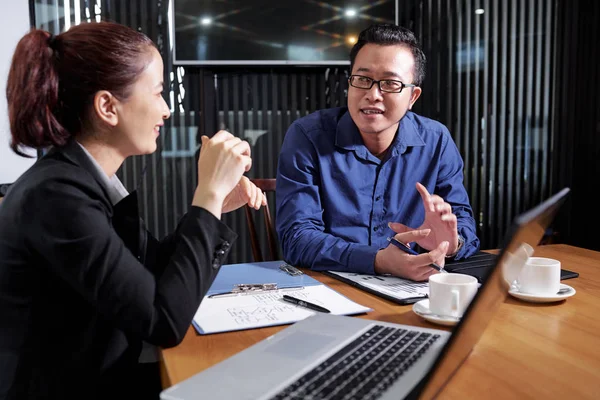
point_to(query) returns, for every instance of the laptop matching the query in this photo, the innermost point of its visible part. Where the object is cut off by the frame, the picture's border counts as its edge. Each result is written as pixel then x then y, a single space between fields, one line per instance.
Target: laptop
pixel 340 357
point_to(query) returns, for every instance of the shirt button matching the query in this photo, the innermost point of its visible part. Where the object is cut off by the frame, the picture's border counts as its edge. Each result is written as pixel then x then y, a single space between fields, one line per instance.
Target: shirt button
pixel 378 198
pixel 375 228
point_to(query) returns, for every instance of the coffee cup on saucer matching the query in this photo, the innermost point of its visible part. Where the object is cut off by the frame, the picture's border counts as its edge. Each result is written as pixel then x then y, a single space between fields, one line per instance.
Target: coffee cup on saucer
pixel 451 294
pixel 540 276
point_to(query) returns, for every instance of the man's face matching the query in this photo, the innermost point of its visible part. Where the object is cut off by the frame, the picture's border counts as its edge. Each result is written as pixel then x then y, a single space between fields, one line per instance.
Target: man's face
pixel 374 112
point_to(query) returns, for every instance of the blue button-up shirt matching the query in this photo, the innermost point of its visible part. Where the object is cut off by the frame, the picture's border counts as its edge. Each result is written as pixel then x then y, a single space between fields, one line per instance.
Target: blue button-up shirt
pixel 334 198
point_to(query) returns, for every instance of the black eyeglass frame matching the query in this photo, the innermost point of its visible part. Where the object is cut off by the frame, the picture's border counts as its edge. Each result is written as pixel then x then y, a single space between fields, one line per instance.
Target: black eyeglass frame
pixel 373 81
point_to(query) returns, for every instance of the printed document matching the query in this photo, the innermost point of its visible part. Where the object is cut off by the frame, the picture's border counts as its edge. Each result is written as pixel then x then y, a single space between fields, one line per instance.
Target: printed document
pixel 392 286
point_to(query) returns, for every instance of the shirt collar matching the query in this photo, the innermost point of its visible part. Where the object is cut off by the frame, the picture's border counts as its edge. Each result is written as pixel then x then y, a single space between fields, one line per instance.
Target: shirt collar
pixel 347 135
pixel 409 134
pixel 114 186
pixel 73 152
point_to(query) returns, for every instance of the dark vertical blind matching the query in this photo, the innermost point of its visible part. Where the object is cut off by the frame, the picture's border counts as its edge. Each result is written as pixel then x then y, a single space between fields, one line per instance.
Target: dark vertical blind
pixel 576 117
pixel 487 60
pixel 511 79
pixel 258 105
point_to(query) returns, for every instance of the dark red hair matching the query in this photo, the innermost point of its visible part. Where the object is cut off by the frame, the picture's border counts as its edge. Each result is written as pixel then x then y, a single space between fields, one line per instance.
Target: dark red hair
pixel 53 79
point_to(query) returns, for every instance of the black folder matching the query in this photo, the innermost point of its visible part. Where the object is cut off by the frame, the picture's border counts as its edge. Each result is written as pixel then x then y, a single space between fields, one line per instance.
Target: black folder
pixel 480 263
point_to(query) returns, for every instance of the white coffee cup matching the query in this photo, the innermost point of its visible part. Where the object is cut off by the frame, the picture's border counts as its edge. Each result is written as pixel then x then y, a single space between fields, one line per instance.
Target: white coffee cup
pixel 540 276
pixel 451 294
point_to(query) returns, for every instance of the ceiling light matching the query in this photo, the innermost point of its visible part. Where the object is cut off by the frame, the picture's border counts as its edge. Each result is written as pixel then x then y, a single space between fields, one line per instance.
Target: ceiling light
pixel 350 13
pixel 479 11
pixel 351 39
pixel 206 21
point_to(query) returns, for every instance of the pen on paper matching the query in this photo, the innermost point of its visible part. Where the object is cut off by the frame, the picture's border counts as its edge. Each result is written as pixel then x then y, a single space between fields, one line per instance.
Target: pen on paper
pixel 408 250
pixel 305 304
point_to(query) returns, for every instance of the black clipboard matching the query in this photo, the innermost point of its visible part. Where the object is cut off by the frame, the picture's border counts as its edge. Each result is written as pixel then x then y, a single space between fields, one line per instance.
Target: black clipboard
pixel 480 263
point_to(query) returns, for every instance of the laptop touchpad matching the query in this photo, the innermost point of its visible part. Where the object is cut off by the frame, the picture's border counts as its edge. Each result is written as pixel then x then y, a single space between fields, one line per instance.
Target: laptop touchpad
pixel 302 345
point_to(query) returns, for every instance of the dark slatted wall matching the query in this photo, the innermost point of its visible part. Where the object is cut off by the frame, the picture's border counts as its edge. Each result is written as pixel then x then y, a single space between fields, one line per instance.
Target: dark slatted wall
pixel 258 105
pixel 488 79
pixel 576 117
pixel 503 82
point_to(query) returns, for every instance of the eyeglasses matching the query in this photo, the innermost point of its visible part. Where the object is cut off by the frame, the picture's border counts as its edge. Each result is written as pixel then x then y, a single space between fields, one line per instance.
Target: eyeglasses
pixel 385 85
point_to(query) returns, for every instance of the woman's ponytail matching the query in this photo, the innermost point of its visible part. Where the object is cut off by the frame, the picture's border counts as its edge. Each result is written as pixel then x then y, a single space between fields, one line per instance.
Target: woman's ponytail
pixel 32 93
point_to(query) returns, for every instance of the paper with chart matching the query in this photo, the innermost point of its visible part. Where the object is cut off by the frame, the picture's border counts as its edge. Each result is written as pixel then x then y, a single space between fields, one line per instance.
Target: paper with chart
pixel 247 311
pixel 392 286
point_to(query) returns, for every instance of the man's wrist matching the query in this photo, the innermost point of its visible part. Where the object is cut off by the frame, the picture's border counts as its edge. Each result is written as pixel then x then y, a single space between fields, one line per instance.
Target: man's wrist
pixel 461 242
pixel 377 263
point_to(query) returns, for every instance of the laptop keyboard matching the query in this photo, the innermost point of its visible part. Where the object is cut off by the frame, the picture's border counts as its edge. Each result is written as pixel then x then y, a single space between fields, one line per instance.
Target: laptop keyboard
pixel 363 369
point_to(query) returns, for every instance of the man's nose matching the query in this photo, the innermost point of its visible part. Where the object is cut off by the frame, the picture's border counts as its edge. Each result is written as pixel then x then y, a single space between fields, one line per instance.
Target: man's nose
pixel 374 93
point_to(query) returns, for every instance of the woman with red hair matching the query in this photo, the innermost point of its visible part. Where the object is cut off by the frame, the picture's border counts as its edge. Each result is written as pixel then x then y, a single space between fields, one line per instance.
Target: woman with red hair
pixel 82 282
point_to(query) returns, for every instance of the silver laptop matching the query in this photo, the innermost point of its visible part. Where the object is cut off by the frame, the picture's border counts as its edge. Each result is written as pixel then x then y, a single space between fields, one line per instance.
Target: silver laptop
pixel 340 357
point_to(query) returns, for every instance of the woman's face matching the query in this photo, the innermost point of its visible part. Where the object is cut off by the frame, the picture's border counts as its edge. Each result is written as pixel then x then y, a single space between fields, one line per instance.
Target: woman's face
pixel 142 114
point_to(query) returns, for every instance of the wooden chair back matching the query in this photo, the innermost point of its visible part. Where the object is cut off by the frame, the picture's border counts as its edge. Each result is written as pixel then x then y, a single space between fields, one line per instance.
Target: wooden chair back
pixel 267 186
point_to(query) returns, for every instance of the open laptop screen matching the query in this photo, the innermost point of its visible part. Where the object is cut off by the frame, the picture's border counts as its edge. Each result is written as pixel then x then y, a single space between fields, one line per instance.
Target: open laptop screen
pixel 524 235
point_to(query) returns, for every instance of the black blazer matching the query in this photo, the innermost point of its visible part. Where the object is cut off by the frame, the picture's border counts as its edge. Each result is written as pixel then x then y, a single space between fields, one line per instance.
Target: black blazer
pixel 83 283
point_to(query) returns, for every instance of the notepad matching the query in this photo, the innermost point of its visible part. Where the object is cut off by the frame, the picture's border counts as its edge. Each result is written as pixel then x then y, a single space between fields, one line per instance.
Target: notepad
pixel 255 309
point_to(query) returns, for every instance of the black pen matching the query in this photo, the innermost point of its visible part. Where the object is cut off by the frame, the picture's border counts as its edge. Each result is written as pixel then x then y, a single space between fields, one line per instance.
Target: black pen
pixel 408 250
pixel 305 304
pixel 412 300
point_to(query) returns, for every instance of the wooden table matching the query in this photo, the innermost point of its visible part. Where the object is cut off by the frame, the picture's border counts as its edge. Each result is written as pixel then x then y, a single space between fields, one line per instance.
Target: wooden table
pixel 545 351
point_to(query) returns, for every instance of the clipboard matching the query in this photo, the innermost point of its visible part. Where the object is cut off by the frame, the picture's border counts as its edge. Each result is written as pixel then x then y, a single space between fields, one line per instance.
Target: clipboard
pixel 250 295
pixel 258 273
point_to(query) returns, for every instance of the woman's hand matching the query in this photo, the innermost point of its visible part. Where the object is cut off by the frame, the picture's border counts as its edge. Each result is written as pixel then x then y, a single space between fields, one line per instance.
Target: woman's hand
pixel 245 192
pixel 223 160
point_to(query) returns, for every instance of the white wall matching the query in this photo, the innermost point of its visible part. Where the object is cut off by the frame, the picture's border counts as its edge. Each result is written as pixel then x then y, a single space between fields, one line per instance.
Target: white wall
pixel 14 23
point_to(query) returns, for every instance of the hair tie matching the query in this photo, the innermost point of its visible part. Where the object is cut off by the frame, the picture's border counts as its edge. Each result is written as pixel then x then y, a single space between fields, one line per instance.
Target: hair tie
pixel 51 40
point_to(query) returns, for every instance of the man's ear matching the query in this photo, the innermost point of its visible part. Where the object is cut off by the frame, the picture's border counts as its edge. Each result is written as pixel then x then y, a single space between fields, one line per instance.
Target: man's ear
pixel 416 92
pixel 105 107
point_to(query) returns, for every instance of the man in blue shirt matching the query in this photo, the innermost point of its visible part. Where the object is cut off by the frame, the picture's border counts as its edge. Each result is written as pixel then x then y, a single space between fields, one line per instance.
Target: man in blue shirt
pixel 349 178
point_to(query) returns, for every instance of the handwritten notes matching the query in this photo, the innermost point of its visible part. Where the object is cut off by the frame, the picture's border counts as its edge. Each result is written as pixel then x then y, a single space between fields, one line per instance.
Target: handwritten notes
pixel 247 311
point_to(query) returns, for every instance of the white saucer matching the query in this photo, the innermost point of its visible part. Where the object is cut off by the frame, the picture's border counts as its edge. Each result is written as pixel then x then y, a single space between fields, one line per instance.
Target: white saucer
pixel 421 308
pixel 535 298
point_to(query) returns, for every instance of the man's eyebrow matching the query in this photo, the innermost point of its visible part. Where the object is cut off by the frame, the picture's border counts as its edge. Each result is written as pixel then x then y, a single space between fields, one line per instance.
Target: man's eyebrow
pixel 387 74
pixel 392 74
pixel 363 69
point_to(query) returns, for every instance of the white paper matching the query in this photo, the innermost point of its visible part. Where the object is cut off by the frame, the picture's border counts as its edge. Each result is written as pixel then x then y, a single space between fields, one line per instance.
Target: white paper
pixel 391 285
pixel 247 311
